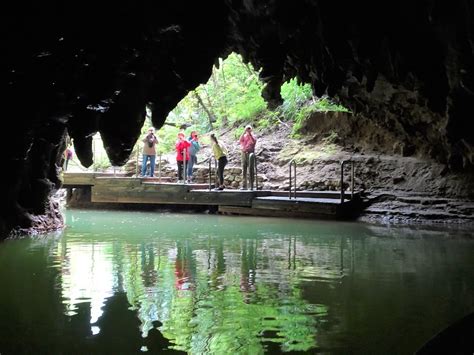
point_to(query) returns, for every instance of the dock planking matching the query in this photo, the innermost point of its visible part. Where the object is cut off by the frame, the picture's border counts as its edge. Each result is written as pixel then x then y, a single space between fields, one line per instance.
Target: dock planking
pixel 119 189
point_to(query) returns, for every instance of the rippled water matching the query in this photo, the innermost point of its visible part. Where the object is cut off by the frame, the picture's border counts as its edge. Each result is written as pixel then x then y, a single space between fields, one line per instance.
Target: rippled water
pixel 131 282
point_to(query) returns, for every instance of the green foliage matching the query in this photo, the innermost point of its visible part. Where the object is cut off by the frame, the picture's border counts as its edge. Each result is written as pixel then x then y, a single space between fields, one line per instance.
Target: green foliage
pixel 323 104
pixel 101 163
pixel 238 92
pixel 294 97
pixel 266 120
pixel 237 133
pixel 207 318
pixel 301 116
pixel 167 137
pixel 232 96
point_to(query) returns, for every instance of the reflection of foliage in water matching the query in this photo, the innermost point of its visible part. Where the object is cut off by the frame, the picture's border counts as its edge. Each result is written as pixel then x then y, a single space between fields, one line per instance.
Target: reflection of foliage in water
pixel 276 285
pixel 206 304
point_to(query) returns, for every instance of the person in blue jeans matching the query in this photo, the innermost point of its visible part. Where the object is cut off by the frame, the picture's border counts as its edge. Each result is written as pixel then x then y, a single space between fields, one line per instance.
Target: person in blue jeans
pixel 193 149
pixel 149 152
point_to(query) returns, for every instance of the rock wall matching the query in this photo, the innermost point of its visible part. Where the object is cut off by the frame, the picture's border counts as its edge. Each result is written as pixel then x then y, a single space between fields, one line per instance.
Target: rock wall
pixel 82 69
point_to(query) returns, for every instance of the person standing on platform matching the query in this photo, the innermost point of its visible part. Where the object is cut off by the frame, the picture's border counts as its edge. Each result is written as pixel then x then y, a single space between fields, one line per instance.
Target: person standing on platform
pixel 193 149
pixel 67 156
pixel 149 152
pixel 220 153
pixel 247 145
pixel 182 151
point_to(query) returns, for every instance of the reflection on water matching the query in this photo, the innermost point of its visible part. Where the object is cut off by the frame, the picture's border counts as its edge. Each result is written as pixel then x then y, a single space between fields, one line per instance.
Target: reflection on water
pixel 130 282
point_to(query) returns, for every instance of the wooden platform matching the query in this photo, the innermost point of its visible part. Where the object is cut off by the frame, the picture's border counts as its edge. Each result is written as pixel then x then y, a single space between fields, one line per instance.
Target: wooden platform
pixel 117 189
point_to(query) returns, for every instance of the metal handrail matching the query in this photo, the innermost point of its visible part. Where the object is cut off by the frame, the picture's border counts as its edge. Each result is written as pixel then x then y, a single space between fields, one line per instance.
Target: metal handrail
pixel 210 172
pixel 136 167
pixel 216 178
pixel 343 162
pixel 253 164
pixel 256 176
pixel 292 163
pixel 159 167
pixel 184 166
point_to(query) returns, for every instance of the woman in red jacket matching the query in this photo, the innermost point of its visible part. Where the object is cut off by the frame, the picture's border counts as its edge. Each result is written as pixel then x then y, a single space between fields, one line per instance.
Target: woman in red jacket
pixel 182 150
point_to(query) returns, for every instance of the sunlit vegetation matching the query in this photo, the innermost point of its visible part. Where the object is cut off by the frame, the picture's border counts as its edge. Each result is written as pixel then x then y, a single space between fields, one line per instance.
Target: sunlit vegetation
pixel 232 98
pixel 208 301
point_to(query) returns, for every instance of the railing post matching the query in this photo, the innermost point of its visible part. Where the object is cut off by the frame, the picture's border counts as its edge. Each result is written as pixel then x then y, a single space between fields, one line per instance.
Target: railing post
pixel 256 176
pixel 210 173
pixel 292 165
pixel 342 181
pixel 294 171
pixel 289 179
pixel 94 164
pixel 352 180
pixel 159 167
pixel 184 166
pixel 136 170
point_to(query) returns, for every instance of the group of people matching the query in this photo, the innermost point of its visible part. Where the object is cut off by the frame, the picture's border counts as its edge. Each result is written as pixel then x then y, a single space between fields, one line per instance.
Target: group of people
pixel 186 150
pixel 186 156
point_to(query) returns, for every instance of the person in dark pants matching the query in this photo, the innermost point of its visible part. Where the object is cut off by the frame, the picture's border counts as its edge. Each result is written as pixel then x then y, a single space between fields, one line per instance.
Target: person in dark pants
pixel 182 156
pixel 247 144
pixel 220 153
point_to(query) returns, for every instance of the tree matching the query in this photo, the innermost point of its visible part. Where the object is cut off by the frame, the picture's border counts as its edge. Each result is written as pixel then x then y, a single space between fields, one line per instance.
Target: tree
pixel 212 117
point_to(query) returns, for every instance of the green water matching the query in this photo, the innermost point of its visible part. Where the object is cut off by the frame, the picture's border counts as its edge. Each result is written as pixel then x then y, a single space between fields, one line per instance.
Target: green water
pixel 132 282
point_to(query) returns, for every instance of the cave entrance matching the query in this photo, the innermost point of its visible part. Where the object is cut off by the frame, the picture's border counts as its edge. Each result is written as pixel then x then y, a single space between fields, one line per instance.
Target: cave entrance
pixel 229 100
pixel 101 161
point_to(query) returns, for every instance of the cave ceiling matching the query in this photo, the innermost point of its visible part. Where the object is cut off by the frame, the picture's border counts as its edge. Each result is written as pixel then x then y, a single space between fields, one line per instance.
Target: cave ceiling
pixel 95 68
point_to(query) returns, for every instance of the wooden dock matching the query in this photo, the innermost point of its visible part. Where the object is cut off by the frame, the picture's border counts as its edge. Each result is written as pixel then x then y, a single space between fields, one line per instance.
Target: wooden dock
pixel 118 189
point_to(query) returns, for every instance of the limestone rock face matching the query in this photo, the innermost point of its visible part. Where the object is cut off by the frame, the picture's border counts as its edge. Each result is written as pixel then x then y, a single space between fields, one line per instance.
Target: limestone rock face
pixel 406 67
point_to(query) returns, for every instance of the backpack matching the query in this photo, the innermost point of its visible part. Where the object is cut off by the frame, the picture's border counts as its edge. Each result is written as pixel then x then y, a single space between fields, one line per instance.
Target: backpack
pixel 194 148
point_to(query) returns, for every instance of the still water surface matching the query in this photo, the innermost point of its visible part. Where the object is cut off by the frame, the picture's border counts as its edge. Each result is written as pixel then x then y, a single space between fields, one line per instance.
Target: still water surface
pixel 132 282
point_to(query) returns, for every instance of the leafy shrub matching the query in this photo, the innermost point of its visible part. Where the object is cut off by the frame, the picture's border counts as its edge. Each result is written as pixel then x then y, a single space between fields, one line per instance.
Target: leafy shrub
pixel 321 105
pixel 325 104
pixel 301 116
pixel 295 96
pixel 101 163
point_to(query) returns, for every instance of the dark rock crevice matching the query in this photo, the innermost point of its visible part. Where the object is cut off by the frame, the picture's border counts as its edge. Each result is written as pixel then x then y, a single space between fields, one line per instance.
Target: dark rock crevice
pixel 405 66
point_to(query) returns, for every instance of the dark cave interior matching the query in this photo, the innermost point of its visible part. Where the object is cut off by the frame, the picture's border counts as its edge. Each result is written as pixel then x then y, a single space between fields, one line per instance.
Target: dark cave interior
pixel 78 69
